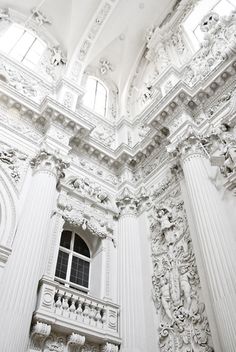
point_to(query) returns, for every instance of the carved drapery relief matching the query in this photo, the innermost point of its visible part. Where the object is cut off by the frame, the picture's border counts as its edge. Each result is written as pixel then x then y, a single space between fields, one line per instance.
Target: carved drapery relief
pixel 176 286
pixel 87 215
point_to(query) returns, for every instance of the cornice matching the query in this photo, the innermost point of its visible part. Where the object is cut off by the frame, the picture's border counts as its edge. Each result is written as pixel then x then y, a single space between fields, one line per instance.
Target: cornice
pixel 155 116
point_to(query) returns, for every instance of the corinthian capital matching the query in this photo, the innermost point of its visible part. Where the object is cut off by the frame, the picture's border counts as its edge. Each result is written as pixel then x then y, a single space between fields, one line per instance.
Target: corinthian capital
pixel 190 145
pixel 50 161
pixel 127 202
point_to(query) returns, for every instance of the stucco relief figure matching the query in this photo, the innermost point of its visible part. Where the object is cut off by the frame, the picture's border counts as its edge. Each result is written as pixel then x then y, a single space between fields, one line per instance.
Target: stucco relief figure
pixel 185 286
pixel 221 143
pixel 165 296
pixel 167 226
pixel 57 56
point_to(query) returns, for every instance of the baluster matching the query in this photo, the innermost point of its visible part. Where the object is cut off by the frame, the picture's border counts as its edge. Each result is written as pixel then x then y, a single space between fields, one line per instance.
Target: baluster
pixel 79 311
pixel 58 297
pixel 65 305
pixel 92 314
pixel 98 316
pixel 104 316
pixel 72 308
pixel 86 312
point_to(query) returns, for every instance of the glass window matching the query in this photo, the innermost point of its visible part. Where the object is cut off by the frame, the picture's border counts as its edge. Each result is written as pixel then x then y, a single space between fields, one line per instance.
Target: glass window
pixel 22 45
pixel 95 97
pixel 73 262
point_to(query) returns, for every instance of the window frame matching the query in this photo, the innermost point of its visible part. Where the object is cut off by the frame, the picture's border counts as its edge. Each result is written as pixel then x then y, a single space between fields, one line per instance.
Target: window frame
pixel 30 48
pixel 71 253
pixel 92 107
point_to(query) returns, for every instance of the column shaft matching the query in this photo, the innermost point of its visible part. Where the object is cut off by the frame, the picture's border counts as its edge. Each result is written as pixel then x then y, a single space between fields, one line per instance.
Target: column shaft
pixel 130 285
pixel 215 240
pixel 26 264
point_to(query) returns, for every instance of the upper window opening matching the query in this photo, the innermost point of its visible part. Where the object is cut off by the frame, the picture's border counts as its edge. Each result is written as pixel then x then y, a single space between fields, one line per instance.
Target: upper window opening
pixel 22 45
pixel 192 24
pixel 95 97
pixel 73 261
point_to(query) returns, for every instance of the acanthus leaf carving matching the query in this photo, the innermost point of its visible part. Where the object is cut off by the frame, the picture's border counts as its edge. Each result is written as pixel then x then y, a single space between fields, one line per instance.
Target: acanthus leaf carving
pixel 50 161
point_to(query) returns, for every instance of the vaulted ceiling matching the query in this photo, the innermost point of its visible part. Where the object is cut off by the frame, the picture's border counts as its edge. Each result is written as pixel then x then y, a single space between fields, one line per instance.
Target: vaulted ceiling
pixel 121 35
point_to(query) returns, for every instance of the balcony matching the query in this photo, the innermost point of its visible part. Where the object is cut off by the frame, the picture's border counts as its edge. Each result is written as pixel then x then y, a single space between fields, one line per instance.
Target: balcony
pixel 76 312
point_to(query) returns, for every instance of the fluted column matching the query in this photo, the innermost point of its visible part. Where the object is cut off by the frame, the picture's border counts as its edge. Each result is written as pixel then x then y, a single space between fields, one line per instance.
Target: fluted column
pixel 215 240
pixel 27 261
pixel 130 286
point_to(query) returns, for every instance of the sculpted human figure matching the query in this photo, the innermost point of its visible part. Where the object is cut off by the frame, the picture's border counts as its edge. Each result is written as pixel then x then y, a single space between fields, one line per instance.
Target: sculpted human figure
pixel 165 296
pixel 164 217
pixel 185 286
pixel 228 150
pixel 57 57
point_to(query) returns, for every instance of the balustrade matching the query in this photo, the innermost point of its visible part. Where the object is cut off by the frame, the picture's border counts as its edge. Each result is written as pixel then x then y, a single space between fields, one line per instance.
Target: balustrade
pixel 66 307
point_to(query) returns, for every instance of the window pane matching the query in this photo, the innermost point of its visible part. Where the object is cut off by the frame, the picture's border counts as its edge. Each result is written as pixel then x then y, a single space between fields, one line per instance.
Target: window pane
pixel 10 38
pixel 100 101
pixel 89 96
pixel 62 263
pixel 81 247
pixel 22 46
pixel 35 53
pixel 65 239
pixel 79 272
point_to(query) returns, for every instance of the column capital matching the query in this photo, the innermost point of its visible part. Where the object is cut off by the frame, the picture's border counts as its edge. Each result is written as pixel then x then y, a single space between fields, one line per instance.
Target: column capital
pixel 189 145
pixel 127 202
pixel 49 161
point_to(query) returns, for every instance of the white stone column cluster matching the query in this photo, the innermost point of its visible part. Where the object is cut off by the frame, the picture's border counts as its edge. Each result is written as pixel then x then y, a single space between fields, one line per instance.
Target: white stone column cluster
pixel 215 239
pixel 27 261
pixel 130 284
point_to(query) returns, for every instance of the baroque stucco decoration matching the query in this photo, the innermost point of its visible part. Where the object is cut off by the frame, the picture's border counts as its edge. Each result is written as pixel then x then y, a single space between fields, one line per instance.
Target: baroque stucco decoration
pixel 176 286
pixel 13 162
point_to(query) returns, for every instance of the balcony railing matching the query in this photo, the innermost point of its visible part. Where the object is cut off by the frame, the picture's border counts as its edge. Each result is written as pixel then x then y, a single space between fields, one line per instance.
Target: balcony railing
pixel 75 311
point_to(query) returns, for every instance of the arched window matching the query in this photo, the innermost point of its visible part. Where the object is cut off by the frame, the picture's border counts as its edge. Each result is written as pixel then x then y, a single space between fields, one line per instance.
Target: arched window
pixel 73 261
pixel 95 97
pixel 22 45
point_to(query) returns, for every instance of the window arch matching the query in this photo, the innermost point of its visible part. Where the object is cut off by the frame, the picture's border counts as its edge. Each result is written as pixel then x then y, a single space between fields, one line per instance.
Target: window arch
pixel 96 96
pixel 22 45
pixel 73 262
